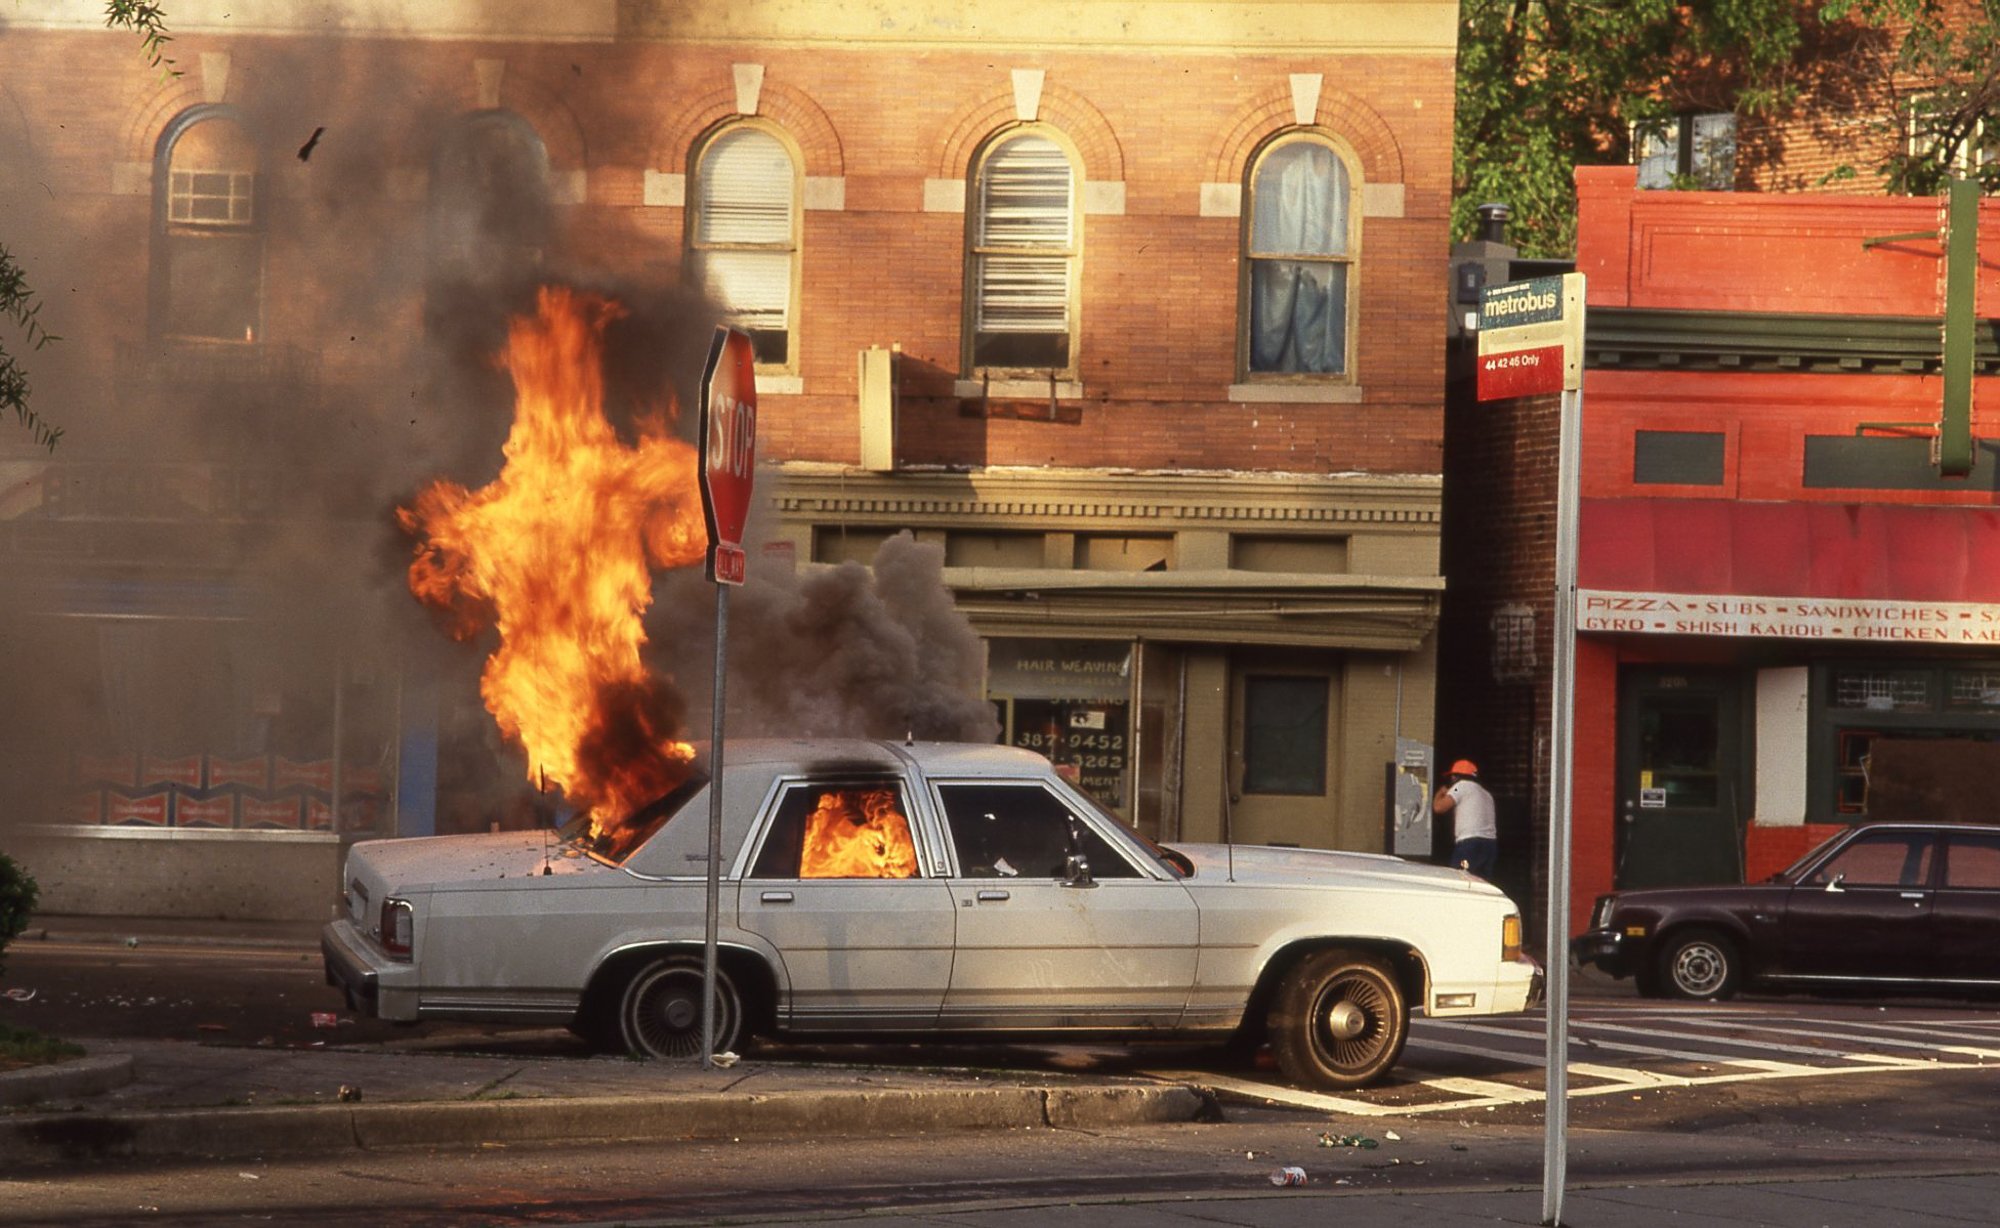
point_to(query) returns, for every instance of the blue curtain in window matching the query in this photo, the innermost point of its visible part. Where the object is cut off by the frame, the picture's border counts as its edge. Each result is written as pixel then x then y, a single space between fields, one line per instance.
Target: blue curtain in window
pixel 1298 283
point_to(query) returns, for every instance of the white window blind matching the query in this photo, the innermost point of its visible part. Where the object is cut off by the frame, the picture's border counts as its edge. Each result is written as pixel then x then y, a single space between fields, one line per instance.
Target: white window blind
pixel 746 208
pixel 1024 235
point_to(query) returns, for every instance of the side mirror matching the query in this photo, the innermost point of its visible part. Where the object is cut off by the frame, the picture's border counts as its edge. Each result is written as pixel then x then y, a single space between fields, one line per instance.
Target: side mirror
pixel 1076 867
pixel 1076 871
pixel 1834 883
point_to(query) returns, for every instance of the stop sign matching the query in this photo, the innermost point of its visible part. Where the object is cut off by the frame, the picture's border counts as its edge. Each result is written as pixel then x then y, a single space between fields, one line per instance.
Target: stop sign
pixel 728 449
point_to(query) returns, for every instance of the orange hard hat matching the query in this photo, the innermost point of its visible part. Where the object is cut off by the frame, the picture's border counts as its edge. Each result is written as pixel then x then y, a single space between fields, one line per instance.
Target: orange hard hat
pixel 1464 767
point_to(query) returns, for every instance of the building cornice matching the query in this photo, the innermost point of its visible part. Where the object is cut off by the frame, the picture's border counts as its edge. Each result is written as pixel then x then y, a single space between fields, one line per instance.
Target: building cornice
pixel 1638 338
pixel 1058 499
pixel 1124 27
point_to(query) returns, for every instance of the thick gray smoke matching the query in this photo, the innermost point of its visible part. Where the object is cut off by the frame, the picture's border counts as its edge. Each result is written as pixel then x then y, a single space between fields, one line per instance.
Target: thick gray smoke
pixel 833 652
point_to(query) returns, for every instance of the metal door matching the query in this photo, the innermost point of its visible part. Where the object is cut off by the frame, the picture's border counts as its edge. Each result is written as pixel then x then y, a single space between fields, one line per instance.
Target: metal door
pixel 1866 912
pixel 1680 778
pixel 1036 950
pixel 860 953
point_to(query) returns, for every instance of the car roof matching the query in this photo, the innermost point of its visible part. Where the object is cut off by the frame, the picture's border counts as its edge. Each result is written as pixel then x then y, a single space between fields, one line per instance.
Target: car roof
pixel 868 754
pixel 1910 825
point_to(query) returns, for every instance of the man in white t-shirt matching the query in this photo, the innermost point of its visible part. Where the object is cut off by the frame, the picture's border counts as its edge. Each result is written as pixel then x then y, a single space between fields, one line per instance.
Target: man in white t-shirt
pixel 1475 836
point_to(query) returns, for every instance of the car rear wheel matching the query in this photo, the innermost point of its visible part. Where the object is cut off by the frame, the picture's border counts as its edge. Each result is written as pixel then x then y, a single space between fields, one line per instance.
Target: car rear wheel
pixel 1338 1021
pixel 1698 964
pixel 659 1015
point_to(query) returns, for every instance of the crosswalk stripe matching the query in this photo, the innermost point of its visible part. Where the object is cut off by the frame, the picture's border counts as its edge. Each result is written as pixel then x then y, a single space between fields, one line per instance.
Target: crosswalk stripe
pixel 1848 1036
pixel 1771 1045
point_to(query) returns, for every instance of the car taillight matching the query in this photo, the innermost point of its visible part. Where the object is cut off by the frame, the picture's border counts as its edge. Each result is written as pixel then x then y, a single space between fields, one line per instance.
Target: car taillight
pixel 1510 938
pixel 399 924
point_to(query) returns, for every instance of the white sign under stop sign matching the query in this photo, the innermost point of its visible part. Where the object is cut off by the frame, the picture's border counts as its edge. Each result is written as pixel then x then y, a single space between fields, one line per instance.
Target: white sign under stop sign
pixel 729 449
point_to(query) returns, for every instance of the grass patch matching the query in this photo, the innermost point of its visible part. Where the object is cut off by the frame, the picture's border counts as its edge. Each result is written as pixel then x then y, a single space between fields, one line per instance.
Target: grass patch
pixel 22 1047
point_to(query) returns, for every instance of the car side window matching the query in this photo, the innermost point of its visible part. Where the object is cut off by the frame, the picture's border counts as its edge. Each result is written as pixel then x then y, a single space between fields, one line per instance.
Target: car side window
pixel 839 829
pixel 1972 862
pixel 1021 831
pixel 1890 859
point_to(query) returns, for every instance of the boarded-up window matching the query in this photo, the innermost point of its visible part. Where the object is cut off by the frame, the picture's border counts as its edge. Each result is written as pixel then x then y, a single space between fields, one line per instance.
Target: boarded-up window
pixel 994 550
pixel 1302 555
pixel 839 544
pixel 1124 552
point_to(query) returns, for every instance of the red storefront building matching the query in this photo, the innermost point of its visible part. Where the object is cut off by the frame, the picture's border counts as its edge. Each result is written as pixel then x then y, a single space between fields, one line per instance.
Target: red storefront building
pixel 1789 606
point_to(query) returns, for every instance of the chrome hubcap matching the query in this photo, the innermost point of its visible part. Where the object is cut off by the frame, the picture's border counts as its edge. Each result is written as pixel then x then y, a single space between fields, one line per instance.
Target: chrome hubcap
pixel 1346 1021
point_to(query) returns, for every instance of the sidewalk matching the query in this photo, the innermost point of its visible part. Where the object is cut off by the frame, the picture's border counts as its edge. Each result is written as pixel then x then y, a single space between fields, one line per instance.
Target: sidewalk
pixel 151 1099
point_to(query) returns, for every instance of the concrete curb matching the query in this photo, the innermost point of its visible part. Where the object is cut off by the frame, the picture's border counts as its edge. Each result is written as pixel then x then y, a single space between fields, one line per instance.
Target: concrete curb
pixel 84 1076
pixel 249 1132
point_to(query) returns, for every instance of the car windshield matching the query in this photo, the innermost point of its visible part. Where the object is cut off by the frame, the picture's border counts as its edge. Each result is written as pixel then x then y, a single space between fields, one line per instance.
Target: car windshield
pixel 616 843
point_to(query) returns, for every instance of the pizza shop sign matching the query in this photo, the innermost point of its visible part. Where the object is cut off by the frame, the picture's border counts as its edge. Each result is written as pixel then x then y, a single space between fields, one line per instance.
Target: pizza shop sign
pixel 1859 620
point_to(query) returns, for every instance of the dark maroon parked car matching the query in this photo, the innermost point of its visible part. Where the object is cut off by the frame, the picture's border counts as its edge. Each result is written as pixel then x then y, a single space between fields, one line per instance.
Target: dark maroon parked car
pixel 1913 907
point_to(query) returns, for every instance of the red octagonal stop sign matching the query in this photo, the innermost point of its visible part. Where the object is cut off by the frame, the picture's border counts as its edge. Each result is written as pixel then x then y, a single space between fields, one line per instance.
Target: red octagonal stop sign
pixel 728 449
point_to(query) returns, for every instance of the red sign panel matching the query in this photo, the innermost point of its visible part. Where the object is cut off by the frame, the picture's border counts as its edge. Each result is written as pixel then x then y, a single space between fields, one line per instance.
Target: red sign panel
pixel 1521 373
pixel 728 449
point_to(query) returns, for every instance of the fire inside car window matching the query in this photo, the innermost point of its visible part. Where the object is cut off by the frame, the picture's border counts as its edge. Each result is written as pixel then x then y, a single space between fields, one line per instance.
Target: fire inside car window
pixel 847 830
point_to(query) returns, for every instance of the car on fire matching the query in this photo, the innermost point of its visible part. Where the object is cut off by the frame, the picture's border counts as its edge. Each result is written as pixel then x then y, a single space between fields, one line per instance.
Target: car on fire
pixel 1907 907
pixel 927 890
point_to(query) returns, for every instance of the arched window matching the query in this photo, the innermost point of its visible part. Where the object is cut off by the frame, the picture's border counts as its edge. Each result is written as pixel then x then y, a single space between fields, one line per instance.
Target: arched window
pixel 1300 237
pixel 743 238
pixel 490 214
pixel 209 262
pixel 1023 249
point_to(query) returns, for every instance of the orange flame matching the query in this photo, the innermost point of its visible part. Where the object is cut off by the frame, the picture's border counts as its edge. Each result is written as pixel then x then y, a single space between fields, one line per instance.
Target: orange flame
pixel 857 833
pixel 555 553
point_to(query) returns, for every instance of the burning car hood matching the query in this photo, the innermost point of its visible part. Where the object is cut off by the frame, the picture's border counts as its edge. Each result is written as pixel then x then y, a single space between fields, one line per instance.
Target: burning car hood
pixel 1254 863
pixel 433 860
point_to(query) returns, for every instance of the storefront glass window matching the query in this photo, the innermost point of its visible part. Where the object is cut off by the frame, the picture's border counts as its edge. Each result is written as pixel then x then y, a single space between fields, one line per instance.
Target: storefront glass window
pixel 1071 701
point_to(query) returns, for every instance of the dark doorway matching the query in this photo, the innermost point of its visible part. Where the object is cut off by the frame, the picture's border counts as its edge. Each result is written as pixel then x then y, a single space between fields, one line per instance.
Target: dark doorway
pixel 1680 778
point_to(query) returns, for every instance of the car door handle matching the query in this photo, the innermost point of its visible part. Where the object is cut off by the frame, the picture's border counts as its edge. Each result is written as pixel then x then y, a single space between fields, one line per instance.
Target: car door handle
pixel 1913 895
pixel 776 897
pixel 986 897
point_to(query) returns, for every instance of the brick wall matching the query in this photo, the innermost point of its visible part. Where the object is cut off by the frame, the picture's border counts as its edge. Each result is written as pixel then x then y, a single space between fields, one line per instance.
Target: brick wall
pixel 1158 306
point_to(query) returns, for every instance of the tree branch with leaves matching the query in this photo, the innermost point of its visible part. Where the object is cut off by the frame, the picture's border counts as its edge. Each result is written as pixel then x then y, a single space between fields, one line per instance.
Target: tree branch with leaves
pixel 18 303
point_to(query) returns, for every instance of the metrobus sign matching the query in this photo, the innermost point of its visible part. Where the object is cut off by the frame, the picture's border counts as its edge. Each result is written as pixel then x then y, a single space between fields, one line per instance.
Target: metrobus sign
pixel 1531 337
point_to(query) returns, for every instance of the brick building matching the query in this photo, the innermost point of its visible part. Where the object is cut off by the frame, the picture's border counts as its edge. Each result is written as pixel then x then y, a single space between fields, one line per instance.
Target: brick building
pixel 1128 309
pixel 1787 605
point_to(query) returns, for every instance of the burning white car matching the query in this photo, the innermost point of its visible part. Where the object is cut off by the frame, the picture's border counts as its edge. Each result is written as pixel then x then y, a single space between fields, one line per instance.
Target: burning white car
pixel 921 890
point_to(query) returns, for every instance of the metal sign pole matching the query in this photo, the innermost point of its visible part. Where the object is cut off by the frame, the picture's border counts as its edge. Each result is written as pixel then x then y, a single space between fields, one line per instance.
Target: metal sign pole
pixel 713 906
pixel 1555 1148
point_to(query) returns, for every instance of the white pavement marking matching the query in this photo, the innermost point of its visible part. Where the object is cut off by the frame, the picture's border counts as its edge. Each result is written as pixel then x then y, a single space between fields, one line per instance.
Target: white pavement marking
pixel 1276 1093
pixel 1771 1045
pixel 1912 1029
pixel 1483 1090
pixel 1483 1093
pixel 1683 1055
pixel 1789 1028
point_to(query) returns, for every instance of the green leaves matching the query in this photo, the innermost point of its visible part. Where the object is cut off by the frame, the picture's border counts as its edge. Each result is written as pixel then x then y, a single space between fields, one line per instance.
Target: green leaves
pixel 1547 85
pixel 18 303
pixel 150 23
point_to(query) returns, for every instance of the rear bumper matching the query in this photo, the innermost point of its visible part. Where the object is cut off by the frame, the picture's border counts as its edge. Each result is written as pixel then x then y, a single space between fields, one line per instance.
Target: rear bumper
pixel 369 977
